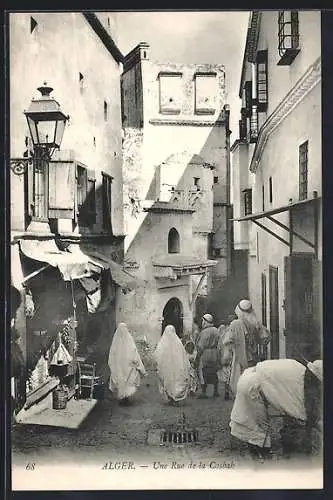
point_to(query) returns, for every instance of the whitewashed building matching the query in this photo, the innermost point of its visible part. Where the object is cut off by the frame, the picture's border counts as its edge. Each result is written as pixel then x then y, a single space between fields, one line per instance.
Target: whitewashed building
pixel 277 177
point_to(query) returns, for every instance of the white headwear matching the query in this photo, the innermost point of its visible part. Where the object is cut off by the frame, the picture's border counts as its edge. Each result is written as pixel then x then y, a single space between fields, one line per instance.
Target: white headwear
pixel 316 368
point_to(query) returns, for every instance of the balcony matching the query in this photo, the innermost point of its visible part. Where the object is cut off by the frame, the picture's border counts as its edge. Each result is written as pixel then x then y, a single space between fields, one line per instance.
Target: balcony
pixel 178 266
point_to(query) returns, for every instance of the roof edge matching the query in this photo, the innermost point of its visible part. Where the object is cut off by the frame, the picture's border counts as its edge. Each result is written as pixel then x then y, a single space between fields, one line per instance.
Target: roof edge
pixel 104 36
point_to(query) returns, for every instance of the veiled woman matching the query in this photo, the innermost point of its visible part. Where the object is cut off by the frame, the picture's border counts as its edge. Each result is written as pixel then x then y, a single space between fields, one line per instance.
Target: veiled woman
pixel 125 365
pixel 173 366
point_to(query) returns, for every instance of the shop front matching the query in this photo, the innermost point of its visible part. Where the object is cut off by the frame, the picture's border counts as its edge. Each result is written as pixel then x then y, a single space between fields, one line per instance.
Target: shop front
pixel 70 308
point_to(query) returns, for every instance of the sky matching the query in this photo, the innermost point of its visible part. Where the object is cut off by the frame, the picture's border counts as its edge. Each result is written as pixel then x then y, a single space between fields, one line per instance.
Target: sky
pixel 191 37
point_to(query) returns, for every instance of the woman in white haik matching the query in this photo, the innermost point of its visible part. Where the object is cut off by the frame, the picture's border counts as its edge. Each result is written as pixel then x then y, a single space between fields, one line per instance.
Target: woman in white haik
pixel 125 365
pixel 278 383
pixel 173 367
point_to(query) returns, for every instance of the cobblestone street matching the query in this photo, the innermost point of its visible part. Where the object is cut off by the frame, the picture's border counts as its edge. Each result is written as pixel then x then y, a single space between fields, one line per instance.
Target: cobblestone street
pixel 115 432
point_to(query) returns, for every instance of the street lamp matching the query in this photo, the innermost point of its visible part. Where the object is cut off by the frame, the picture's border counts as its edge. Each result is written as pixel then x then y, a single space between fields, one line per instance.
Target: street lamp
pixel 46 124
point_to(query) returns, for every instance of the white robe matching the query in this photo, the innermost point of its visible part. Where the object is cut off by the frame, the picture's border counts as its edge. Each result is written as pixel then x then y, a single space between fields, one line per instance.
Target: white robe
pixel 125 364
pixel 173 366
pixel 282 383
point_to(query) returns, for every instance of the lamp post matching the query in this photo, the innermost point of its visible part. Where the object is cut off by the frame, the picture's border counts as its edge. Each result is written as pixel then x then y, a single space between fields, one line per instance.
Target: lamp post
pixel 46 124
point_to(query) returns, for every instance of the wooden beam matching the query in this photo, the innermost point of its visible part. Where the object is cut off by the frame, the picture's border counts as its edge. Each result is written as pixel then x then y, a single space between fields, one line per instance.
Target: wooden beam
pixel 271 232
pixel 194 296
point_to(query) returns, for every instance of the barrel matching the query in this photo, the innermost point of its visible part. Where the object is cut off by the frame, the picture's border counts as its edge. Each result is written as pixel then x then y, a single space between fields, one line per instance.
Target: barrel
pixel 59 400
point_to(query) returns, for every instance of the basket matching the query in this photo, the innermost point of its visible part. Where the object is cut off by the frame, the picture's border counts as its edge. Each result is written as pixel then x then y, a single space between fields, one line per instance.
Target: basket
pixel 60 398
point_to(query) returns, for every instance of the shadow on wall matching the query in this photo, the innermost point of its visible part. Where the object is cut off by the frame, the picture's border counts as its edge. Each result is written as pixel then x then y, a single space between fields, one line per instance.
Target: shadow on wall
pixel 209 155
pixel 221 302
pixel 228 289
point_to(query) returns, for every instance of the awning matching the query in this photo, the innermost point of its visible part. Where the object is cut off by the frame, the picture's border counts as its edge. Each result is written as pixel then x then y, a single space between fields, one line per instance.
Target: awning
pixel 268 214
pixel 77 264
pixel 278 210
pixel 72 265
pixel 124 279
pixel 174 266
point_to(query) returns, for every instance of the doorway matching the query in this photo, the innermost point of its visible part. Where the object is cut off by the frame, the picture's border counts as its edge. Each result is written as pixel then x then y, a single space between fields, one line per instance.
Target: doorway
pixel 303 306
pixel 274 311
pixel 173 315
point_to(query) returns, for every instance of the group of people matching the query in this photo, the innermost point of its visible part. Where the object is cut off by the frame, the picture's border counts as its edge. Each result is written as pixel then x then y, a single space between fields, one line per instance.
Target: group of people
pixel 201 358
pixel 229 354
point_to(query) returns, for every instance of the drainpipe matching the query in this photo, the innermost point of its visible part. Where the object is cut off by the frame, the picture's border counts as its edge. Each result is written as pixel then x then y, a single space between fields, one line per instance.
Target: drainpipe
pixel 227 149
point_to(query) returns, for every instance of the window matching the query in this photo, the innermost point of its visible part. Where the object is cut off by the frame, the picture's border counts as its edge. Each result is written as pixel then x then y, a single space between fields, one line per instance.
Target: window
pixel 248 99
pixel 196 181
pixel 106 201
pixel 205 93
pixel 86 196
pixel 254 122
pixel 105 111
pixel 262 82
pixel 243 125
pixel 33 24
pixel 216 180
pixel 49 190
pixel 270 190
pixel 81 82
pixel 263 198
pixel 288 37
pixel 170 93
pixel 173 241
pixel 303 171
pixel 247 201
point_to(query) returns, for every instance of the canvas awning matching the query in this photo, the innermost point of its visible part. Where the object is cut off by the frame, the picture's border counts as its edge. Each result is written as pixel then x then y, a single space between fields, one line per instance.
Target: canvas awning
pixel 124 279
pixel 71 265
pixel 77 264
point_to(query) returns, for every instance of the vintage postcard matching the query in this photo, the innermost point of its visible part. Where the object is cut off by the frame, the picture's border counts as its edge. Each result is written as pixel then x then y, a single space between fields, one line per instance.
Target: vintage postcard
pixel 166 250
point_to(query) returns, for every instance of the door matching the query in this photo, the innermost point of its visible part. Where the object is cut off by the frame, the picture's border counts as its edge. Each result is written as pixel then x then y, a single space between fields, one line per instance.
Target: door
pixel 263 348
pixel 303 306
pixel 274 311
pixel 173 315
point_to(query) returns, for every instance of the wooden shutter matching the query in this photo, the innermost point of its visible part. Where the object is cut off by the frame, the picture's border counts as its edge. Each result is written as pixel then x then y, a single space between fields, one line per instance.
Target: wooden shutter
pixel 317 282
pixel 29 190
pixel 91 196
pixel 288 305
pixel 61 189
pixel 248 98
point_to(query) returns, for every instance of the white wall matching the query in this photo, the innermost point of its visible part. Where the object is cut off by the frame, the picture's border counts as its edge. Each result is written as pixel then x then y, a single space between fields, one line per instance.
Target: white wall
pixel 62 46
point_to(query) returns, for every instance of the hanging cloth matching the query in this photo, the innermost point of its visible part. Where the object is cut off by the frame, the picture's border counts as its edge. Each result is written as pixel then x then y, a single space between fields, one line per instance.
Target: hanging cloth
pixel 61 356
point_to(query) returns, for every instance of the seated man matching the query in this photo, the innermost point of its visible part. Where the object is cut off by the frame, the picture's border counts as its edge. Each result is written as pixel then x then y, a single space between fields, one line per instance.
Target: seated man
pixel 287 385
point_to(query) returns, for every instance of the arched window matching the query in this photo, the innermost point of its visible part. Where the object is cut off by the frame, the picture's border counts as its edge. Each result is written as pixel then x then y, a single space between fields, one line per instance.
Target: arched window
pixel 173 241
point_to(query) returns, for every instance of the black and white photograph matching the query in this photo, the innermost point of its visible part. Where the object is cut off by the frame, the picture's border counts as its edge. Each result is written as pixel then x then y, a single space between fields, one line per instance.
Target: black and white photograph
pixel 166 323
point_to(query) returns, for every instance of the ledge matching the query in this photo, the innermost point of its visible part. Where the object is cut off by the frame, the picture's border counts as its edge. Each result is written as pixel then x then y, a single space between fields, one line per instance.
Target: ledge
pixel 187 122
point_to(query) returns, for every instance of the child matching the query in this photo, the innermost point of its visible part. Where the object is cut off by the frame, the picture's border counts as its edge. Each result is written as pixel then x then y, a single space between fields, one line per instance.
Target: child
pixel 191 352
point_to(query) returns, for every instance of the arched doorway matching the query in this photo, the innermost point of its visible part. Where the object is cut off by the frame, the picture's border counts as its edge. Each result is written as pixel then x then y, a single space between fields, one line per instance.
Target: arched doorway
pixel 173 315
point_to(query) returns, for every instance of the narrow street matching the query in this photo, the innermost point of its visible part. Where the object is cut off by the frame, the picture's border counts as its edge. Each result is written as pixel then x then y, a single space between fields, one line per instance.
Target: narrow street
pixel 112 432
pixel 120 441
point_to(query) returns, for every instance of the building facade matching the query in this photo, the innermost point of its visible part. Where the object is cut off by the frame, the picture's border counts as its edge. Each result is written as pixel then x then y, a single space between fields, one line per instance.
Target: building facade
pixel 176 152
pixel 277 177
pixel 66 210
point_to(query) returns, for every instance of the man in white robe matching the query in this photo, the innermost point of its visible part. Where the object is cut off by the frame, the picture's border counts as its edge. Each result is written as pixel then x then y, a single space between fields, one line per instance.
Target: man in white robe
pixel 277 383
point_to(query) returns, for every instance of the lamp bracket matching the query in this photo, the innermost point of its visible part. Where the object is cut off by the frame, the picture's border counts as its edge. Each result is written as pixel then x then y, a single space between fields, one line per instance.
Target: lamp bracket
pixel 19 165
